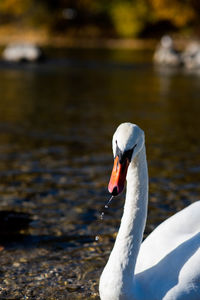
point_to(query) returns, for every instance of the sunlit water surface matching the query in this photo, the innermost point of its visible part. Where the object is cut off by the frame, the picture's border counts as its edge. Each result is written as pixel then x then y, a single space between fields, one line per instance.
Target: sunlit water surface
pixel 56 124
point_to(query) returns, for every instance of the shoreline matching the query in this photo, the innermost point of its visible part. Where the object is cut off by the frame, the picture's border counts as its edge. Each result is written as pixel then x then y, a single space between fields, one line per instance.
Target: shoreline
pixel 44 39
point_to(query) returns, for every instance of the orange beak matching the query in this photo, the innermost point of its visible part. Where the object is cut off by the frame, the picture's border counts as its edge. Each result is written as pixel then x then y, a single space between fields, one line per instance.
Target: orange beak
pixel 118 177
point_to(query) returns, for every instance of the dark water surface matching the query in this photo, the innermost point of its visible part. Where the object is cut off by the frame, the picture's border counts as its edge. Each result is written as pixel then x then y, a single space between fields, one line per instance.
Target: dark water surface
pixel 56 125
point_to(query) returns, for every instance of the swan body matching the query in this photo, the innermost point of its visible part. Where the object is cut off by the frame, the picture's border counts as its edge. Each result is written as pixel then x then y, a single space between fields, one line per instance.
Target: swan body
pixel 167 264
pixel 166 54
pixel 19 52
pixel 191 56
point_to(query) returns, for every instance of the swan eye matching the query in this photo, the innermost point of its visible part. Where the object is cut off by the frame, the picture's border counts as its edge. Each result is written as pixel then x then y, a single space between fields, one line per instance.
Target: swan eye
pixel 126 155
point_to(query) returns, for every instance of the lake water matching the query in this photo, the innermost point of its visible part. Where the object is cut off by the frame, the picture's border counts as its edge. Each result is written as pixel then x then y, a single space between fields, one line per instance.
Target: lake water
pixel 56 124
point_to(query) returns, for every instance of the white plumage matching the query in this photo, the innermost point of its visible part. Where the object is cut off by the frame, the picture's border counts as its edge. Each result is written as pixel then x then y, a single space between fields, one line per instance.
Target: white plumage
pixel 167 264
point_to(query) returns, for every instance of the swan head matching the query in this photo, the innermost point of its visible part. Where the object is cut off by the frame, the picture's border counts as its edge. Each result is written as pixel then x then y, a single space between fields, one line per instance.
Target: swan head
pixel 128 141
pixel 166 42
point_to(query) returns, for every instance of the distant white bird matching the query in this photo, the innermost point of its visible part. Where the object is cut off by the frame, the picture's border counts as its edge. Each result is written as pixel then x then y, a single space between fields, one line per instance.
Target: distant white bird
pixel 17 52
pixel 191 56
pixel 166 54
pixel 167 264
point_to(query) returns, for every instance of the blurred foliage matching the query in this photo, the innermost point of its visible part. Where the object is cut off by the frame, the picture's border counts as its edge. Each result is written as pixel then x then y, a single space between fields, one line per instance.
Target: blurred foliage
pixel 124 18
pixel 129 17
pixel 14 7
pixel 180 13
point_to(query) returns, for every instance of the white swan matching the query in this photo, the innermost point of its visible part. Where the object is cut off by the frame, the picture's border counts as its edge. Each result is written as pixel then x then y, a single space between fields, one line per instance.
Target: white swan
pixel 166 54
pixel 167 264
pixel 191 56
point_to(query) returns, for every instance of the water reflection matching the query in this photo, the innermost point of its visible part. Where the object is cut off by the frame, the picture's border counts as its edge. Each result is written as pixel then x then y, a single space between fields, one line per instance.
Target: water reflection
pixel 56 125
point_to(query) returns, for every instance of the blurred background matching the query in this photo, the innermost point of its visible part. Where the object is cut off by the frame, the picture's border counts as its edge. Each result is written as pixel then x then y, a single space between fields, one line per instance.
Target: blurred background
pixel 70 73
pixel 65 20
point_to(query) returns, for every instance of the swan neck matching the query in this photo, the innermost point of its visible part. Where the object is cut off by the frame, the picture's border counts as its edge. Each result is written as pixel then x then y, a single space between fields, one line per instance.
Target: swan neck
pixel 119 271
pixel 133 221
pixel 135 211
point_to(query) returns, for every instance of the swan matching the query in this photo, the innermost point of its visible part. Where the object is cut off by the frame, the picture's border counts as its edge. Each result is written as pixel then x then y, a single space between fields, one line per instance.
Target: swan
pixel 166 54
pixel 191 56
pixel 167 264
pixel 22 52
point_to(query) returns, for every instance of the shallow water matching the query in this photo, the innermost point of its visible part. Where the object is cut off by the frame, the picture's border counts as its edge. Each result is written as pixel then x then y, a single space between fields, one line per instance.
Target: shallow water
pixel 56 124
